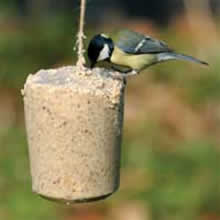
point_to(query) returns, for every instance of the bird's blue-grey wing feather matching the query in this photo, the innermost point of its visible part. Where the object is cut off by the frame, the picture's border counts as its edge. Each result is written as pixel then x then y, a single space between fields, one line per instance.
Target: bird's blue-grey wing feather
pixel 135 43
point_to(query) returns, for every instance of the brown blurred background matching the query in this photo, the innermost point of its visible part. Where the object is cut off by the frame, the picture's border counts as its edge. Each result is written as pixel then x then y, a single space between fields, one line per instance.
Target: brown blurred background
pixel 170 166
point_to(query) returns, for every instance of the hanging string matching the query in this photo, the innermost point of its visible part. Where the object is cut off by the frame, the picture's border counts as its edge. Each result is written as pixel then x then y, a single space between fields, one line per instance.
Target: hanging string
pixel 80 37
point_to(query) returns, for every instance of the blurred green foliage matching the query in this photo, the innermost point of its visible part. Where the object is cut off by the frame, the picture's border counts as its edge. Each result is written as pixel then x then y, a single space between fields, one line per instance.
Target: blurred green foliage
pixel 17 201
pixel 184 182
pixel 33 46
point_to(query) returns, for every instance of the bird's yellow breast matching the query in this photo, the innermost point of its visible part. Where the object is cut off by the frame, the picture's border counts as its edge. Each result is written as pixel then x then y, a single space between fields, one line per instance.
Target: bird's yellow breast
pixel 137 62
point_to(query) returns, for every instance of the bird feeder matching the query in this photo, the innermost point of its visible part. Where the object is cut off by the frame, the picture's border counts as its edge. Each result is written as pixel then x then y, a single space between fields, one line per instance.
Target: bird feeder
pixel 74 120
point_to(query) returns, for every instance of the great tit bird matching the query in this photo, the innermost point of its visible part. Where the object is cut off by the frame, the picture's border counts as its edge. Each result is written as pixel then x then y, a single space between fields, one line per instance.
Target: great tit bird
pixel 132 50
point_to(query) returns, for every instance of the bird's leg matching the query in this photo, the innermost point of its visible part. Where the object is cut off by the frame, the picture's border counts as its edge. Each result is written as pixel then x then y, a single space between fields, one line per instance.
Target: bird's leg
pixel 115 68
pixel 126 73
pixel 131 73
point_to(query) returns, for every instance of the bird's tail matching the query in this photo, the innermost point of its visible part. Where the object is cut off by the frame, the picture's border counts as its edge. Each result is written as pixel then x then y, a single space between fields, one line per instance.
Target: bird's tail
pixel 176 56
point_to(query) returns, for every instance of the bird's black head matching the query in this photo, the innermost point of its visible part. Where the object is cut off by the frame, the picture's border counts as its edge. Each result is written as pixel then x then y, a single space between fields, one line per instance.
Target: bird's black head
pixel 100 49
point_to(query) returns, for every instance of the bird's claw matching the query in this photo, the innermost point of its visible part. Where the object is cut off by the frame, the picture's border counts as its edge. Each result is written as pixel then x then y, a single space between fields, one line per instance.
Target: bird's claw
pixel 131 73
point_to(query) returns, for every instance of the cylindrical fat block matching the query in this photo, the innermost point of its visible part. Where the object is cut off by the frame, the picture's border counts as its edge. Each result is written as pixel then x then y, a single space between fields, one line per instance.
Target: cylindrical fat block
pixel 74 126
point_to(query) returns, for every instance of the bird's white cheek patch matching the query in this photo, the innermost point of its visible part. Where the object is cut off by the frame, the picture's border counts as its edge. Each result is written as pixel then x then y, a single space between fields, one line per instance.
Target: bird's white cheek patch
pixel 104 54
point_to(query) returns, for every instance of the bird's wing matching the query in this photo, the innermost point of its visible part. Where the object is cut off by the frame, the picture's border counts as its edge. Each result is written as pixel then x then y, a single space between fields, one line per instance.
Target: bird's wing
pixel 135 43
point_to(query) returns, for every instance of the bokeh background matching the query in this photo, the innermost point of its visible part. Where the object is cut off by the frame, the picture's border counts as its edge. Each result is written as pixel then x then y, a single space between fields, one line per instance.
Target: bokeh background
pixel 170 166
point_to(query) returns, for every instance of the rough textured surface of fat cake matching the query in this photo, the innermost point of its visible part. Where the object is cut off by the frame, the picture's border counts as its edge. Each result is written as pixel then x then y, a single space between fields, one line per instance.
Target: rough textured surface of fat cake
pixel 74 123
